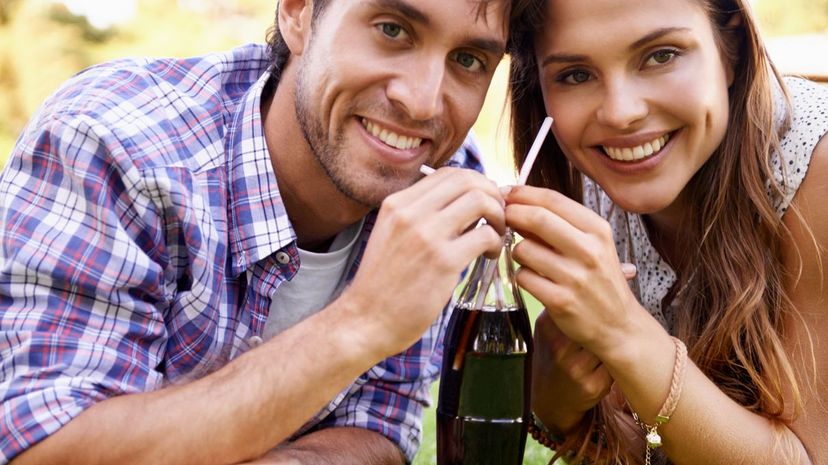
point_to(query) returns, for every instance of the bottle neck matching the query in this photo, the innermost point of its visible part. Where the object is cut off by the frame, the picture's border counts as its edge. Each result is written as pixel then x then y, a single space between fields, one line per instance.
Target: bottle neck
pixel 491 283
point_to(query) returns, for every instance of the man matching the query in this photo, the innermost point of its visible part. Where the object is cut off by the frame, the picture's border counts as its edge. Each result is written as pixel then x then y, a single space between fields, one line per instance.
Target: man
pixel 153 308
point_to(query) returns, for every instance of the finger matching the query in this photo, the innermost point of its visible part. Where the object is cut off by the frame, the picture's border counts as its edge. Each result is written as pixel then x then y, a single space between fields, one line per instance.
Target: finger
pixel 465 211
pixel 545 261
pixel 549 338
pixel 470 245
pixel 588 361
pixel 536 221
pixel 603 376
pixel 629 270
pixel 446 184
pixel 598 384
pixel 571 211
pixel 580 363
pixel 551 295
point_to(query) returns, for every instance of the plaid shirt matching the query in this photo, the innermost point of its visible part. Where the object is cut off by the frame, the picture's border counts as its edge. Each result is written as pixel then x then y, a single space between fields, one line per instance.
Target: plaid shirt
pixel 132 207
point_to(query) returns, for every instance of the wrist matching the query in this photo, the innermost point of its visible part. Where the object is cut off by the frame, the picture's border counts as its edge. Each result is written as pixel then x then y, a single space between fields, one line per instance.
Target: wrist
pixel 543 434
pixel 359 332
pixel 651 433
pixel 625 349
pixel 559 423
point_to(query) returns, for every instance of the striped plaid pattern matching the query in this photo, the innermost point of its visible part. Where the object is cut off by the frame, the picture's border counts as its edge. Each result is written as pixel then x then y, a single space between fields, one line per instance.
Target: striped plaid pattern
pixel 132 206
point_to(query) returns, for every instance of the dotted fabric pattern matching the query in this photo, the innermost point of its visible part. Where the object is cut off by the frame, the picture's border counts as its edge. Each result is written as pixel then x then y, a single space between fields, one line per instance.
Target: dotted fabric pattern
pixel 809 123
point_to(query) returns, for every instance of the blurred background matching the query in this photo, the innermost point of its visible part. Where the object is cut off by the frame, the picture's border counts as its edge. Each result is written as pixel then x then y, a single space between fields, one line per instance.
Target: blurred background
pixel 44 42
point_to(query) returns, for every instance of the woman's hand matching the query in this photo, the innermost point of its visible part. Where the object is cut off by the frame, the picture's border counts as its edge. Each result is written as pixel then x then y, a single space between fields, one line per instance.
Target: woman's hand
pixel 567 380
pixel 569 263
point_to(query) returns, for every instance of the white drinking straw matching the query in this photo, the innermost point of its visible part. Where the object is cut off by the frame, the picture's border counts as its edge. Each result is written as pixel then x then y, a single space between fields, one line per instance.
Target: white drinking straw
pixel 527 162
pixel 533 152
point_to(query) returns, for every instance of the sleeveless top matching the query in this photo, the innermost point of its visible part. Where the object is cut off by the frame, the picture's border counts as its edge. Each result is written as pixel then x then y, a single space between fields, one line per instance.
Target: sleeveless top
pixel 655 278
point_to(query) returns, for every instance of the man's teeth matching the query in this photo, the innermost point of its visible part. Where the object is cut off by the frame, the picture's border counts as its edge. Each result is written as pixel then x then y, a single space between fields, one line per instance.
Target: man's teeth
pixel 393 139
pixel 639 152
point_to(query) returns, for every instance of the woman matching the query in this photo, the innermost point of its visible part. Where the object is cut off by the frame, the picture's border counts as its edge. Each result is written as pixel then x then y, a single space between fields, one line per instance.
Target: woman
pixel 679 148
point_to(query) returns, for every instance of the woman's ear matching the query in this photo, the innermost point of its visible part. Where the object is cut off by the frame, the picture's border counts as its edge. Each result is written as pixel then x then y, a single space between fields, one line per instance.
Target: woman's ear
pixel 295 22
pixel 732 37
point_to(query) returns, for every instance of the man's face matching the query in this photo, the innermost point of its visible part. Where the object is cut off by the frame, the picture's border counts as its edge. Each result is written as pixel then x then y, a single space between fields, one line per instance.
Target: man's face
pixel 387 85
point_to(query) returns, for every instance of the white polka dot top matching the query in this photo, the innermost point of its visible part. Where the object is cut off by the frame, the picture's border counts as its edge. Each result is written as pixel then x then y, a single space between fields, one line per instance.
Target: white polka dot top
pixel 809 123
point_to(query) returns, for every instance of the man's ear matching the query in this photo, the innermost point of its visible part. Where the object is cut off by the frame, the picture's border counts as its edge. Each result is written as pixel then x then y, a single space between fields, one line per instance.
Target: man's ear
pixel 295 23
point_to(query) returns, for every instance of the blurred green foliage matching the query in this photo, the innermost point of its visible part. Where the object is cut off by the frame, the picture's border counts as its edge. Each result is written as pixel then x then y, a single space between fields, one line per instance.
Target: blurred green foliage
pixel 42 43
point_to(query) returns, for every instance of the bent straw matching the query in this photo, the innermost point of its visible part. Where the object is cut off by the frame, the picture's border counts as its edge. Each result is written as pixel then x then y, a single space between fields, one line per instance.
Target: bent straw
pixel 533 152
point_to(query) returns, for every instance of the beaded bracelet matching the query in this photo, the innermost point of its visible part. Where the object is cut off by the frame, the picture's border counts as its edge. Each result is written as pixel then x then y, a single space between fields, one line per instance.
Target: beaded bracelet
pixel 543 435
pixel 651 431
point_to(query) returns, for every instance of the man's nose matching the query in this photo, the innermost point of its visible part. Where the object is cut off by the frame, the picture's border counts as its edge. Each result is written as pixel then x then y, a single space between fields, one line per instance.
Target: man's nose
pixel 623 104
pixel 418 90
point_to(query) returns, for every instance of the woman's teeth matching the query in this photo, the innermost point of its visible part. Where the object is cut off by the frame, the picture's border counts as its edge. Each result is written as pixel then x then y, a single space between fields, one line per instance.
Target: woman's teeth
pixel 638 152
pixel 393 139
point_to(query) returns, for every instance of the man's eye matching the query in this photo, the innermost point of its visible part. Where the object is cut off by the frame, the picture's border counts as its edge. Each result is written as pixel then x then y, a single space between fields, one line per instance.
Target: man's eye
pixel 574 77
pixel 391 30
pixel 469 61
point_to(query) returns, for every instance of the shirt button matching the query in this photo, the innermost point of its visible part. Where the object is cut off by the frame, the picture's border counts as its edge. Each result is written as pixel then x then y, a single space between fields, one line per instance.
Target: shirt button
pixel 283 258
pixel 254 341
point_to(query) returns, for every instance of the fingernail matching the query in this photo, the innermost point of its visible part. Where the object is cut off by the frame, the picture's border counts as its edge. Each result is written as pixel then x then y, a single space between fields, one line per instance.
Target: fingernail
pixel 427 170
pixel 629 270
pixel 505 190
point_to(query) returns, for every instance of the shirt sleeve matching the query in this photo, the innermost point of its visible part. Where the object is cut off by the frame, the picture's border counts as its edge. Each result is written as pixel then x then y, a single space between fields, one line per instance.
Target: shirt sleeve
pixel 389 399
pixel 79 291
pixel 468 155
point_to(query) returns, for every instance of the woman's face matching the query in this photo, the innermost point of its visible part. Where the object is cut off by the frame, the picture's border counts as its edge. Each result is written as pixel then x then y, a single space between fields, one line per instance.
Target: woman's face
pixel 638 91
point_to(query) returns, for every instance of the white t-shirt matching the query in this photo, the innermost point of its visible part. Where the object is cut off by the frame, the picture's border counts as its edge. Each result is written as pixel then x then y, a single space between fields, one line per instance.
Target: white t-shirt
pixel 317 283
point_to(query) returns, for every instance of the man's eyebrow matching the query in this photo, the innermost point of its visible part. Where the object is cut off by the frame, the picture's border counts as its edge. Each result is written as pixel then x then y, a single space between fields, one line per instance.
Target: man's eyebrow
pixel 492 46
pixel 414 14
pixel 404 8
pixel 564 58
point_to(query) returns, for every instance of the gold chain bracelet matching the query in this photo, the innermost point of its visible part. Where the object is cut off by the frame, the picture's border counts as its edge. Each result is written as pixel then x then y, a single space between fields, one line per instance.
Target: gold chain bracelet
pixel 651 434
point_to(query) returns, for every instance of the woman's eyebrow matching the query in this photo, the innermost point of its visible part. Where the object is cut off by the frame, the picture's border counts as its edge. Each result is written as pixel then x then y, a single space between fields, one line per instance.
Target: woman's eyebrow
pixel 658 33
pixel 562 58
pixel 649 37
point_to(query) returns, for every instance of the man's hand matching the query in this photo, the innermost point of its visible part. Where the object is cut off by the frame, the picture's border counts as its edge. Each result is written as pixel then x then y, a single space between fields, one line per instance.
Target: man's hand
pixel 419 246
pixel 413 261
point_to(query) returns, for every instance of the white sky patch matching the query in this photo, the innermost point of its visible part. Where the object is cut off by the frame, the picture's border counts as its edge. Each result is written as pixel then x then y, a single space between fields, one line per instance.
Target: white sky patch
pixel 103 14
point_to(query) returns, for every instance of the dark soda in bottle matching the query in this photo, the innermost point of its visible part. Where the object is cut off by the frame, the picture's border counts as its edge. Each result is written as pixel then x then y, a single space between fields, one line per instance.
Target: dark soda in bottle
pixel 483 403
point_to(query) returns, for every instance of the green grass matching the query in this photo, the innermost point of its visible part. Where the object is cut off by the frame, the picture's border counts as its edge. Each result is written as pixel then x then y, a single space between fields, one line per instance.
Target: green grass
pixel 535 454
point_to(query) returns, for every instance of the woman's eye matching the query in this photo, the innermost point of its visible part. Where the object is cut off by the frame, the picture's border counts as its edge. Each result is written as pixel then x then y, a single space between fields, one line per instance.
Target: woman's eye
pixel 574 77
pixel 469 61
pixel 662 57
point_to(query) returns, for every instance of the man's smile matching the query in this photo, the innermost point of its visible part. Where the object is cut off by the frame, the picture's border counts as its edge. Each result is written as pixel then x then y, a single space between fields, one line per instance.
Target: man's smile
pixel 391 138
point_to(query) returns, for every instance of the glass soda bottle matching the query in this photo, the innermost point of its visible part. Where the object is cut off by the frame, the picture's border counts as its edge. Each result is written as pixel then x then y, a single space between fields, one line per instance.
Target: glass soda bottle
pixel 483 402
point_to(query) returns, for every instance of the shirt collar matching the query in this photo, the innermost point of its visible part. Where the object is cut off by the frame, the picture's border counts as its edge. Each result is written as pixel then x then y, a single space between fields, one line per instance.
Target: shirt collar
pixel 259 225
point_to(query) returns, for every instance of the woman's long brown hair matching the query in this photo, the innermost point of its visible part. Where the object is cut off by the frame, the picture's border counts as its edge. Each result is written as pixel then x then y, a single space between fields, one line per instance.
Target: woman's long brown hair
pixel 733 297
